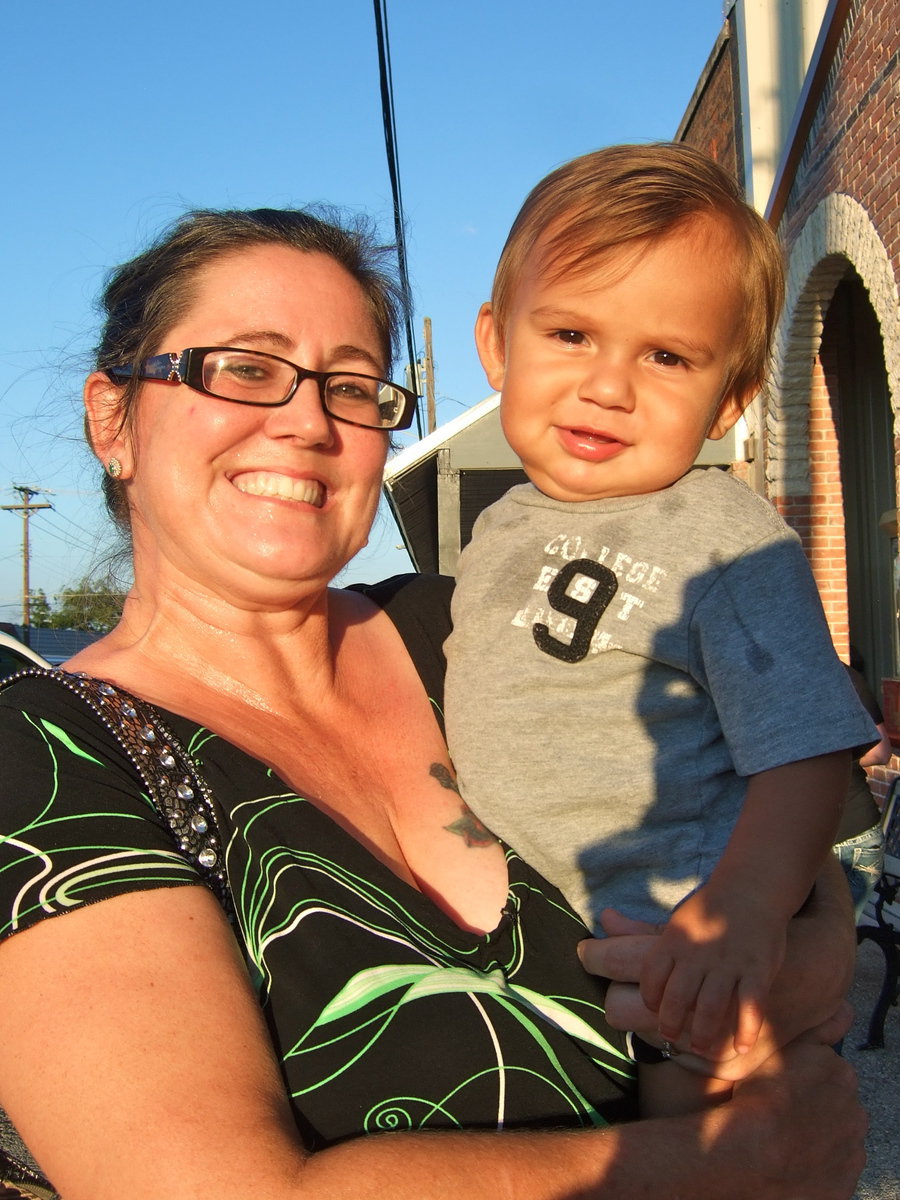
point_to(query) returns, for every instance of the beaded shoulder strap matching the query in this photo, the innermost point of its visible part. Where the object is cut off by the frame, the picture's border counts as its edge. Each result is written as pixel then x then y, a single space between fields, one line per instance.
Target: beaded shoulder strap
pixel 169 774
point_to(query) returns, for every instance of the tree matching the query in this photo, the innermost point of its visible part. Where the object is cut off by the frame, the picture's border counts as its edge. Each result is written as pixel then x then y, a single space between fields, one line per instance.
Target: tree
pixel 40 614
pixel 94 605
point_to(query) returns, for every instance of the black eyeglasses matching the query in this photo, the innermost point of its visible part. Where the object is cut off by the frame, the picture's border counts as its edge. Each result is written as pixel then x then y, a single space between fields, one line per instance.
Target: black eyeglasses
pixel 251 377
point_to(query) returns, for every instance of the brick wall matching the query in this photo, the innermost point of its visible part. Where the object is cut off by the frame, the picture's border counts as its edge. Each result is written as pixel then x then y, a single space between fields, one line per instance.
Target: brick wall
pixel 844 206
pixel 818 516
pixel 852 146
pixel 843 212
pixel 711 123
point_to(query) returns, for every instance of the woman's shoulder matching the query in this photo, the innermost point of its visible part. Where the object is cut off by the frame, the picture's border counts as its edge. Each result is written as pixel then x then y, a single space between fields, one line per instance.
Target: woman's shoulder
pixel 419 607
pixel 45 695
pixel 68 726
pixel 76 824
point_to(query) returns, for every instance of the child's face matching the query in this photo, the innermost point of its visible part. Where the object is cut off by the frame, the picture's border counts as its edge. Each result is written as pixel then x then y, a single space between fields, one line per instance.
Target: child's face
pixel 612 378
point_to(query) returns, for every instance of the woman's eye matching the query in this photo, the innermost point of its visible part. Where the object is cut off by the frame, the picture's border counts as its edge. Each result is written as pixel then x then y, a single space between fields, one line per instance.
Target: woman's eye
pixel 244 371
pixel 349 391
pixel 248 373
pixel 353 389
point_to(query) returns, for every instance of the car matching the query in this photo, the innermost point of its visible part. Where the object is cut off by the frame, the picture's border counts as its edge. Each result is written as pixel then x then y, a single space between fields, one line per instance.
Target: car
pixel 16 656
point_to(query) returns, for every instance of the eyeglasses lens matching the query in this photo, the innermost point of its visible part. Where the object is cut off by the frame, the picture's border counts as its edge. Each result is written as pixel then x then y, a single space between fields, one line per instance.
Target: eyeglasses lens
pixel 247 378
pixel 363 400
pixel 258 379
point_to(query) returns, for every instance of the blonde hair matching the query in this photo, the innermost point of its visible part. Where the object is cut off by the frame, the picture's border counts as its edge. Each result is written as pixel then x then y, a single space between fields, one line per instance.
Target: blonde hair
pixel 628 194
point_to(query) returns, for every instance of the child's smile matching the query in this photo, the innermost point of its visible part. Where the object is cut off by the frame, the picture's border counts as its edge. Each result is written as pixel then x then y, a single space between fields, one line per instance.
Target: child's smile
pixel 590 444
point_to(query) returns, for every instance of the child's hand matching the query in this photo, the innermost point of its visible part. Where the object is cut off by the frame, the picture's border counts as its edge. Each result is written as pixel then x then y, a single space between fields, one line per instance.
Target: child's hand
pixel 714 962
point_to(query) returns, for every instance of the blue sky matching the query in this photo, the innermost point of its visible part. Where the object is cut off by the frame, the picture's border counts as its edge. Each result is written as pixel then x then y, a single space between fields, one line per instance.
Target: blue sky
pixel 116 117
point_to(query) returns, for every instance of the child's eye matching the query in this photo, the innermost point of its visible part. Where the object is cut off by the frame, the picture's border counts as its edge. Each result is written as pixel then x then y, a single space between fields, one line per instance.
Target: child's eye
pixel 665 358
pixel 571 337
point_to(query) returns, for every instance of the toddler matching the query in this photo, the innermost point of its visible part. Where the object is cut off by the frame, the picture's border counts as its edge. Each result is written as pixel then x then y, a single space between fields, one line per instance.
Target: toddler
pixel 643 697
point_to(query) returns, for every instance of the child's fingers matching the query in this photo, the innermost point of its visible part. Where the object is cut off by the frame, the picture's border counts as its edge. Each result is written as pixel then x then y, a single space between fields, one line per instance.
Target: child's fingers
pixel 750 1018
pixel 711 1010
pixel 679 999
pixel 655 972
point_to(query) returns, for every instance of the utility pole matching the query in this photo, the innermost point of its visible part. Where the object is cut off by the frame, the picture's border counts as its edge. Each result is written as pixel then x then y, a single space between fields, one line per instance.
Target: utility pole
pixel 429 380
pixel 26 508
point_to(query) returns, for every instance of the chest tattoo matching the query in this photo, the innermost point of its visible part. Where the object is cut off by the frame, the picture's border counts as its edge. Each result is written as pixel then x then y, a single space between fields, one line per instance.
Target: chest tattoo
pixel 467 826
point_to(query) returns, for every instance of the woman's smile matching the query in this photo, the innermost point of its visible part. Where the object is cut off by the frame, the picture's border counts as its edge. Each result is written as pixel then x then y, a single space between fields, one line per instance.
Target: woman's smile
pixel 274 485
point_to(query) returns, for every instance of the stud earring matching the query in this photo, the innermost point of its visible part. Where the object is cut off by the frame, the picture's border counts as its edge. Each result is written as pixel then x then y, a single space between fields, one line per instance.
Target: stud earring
pixel 114 467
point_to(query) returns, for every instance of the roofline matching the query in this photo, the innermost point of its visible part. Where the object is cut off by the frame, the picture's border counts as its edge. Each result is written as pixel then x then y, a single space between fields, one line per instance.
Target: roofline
pixel 719 46
pixel 410 456
pixel 823 55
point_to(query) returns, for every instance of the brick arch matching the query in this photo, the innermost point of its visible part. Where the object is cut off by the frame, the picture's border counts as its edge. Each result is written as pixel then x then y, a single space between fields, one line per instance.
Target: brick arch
pixel 837 234
pixel 802 449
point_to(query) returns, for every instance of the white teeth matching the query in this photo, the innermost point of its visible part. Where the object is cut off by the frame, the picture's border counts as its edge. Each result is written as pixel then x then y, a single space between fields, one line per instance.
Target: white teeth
pixel 281 487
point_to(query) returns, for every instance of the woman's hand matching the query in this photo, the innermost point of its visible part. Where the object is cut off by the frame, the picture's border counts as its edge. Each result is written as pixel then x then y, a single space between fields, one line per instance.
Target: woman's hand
pixel 801 1124
pixel 807 998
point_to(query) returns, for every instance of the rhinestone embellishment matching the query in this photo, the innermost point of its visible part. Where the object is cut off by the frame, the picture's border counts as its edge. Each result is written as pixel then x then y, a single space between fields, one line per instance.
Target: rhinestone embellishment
pixel 188 807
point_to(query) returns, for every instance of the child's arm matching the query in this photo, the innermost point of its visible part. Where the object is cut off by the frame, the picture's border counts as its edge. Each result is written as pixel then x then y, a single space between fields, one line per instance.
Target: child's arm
pixel 725 943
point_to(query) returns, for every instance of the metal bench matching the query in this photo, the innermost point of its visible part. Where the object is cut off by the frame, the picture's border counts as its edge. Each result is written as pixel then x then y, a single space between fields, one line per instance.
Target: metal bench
pixel 881 920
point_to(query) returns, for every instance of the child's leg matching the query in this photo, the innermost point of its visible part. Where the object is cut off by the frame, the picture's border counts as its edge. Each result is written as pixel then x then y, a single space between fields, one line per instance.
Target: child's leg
pixel 667 1090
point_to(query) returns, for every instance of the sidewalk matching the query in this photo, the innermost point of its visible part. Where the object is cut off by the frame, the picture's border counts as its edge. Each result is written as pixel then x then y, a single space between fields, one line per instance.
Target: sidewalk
pixel 879 1079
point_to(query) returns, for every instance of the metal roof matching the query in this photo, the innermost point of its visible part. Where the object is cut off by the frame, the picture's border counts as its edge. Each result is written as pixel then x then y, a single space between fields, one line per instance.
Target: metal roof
pixel 55 645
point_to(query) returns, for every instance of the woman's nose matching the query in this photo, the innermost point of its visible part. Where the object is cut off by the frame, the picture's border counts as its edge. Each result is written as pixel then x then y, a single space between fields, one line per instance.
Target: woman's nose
pixel 303 416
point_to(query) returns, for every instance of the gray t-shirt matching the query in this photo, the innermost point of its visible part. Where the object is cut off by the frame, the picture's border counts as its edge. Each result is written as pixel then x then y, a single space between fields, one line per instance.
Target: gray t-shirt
pixel 618 667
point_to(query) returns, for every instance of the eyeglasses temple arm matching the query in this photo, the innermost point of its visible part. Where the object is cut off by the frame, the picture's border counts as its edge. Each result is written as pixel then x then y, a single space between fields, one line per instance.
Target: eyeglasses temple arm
pixel 162 368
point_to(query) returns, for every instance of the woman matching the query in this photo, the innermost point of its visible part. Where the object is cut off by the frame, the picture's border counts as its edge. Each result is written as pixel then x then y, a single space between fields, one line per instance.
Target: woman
pixel 410 972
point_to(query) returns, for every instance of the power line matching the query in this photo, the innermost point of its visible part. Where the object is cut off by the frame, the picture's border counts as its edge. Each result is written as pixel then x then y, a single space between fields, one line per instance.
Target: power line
pixel 62 536
pixel 72 543
pixel 390 145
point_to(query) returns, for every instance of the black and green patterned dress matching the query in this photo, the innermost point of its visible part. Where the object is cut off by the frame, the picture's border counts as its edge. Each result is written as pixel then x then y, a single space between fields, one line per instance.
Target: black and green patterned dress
pixel 384 1013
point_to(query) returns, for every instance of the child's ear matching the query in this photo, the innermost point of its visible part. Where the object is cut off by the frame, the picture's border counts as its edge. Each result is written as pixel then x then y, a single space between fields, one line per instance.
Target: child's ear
pixel 104 425
pixel 731 408
pixel 491 350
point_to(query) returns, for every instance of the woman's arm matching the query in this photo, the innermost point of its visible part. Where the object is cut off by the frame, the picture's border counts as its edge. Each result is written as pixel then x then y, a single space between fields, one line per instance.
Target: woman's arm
pixel 754 1148
pixel 134 1061
pixel 881 752
pixel 808 992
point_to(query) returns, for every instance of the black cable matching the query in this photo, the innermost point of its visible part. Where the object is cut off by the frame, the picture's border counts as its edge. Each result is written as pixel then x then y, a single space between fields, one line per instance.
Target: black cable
pixel 46 526
pixel 390 144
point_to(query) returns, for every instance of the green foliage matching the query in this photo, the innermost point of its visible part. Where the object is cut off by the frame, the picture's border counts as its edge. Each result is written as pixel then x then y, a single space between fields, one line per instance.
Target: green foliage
pixel 94 605
pixel 40 612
